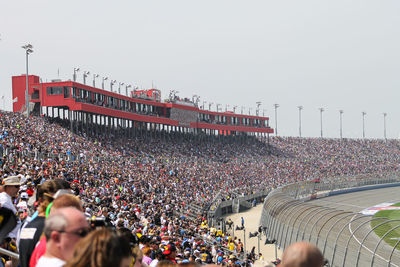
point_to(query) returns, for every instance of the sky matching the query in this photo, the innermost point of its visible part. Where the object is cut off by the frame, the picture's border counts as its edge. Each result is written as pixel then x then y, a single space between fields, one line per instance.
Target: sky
pixel 338 55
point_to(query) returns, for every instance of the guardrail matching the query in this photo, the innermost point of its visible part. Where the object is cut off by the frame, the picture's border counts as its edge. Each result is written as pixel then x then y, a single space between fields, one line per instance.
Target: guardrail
pixel 345 238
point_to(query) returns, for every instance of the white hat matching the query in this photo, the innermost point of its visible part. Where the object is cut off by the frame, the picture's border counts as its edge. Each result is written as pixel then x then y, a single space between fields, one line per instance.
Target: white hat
pixel 12 180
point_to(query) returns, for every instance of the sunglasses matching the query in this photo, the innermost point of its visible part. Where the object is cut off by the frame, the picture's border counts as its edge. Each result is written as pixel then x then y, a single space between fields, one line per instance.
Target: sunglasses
pixel 80 232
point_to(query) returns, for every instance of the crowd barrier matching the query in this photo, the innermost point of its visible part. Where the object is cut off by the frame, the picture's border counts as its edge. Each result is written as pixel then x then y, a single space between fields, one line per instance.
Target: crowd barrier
pixel 345 238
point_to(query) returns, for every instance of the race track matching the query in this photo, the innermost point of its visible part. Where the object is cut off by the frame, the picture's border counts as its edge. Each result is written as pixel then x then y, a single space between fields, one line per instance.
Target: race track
pixel 358 201
pixel 356 231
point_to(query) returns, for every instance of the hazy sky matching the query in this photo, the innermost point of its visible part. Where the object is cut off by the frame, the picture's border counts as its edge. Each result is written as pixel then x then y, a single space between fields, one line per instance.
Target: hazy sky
pixel 331 54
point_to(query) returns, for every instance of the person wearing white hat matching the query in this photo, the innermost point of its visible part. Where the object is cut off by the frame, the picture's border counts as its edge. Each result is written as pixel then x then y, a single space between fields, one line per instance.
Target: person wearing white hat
pixel 11 186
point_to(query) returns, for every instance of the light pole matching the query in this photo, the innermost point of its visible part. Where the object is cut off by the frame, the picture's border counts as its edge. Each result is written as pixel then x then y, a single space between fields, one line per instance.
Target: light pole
pixel 264 112
pixel 209 105
pixel 341 132
pixel 300 109
pixel 112 82
pixel 28 50
pixel 104 79
pixel 384 125
pixel 363 121
pixel 126 89
pixel 75 71
pixel 249 111
pixel 320 111
pixel 241 109
pixel 276 106
pixel 85 74
pixel 94 79
pixel 226 107
pixel 119 87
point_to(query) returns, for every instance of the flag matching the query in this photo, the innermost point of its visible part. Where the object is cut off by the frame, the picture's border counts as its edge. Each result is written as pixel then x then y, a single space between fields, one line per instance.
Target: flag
pixel 15 99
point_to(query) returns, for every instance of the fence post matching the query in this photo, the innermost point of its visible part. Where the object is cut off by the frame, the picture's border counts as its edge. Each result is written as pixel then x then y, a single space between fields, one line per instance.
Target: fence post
pixel 348 215
pixel 306 216
pixel 380 240
pixel 294 223
pixel 365 237
pixel 320 230
pixel 358 227
pixel 277 226
pixel 391 254
pixel 287 227
pixel 272 227
pixel 309 219
pixel 317 221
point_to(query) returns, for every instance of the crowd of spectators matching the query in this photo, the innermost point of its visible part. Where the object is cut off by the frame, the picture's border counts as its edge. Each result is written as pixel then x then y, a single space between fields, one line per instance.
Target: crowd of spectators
pixel 146 186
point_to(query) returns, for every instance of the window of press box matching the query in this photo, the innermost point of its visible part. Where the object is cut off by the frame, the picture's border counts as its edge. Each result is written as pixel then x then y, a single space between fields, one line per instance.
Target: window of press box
pixel 55 90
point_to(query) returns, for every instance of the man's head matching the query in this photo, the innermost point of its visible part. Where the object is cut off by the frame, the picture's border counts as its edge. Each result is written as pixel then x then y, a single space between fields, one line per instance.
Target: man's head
pixel 63 229
pixel 11 185
pixel 302 254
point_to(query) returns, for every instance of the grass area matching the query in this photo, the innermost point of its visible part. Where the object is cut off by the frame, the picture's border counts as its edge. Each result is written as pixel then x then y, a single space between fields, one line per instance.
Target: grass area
pixel 393 237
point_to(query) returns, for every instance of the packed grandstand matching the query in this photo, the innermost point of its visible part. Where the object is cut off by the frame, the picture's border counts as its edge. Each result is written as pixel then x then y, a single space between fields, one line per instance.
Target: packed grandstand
pixel 147 186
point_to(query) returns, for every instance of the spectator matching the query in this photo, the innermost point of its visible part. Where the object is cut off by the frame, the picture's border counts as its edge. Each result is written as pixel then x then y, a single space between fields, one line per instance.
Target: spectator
pixel 30 234
pixel 63 229
pixel 302 254
pixel 102 248
pixel 11 187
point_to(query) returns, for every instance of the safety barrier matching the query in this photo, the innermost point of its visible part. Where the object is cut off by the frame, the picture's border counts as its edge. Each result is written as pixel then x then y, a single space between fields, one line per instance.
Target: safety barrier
pixel 345 238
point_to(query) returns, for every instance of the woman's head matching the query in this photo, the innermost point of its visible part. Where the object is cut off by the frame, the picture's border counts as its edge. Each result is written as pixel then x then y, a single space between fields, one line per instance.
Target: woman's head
pixel 102 248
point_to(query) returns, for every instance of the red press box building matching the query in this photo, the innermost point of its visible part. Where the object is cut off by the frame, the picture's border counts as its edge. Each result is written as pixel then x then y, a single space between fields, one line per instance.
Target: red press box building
pixel 94 110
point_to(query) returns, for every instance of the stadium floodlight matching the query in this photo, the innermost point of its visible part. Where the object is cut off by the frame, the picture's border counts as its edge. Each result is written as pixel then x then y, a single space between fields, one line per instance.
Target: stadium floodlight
pixel 102 84
pixel 218 107
pixel 75 71
pixel 112 82
pixel 196 100
pixel 363 122
pixel 300 109
pixel 119 87
pixel 384 124
pixel 126 88
pixel 258 103
pixel 341 129
pixel 204 102
pixel 320 111
pixel 28 50
pixel 276 106
pixel 85 74
pixel 94 79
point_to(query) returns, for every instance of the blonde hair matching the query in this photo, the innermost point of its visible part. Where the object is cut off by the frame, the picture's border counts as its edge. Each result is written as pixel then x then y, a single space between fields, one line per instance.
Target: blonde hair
pixel 100 248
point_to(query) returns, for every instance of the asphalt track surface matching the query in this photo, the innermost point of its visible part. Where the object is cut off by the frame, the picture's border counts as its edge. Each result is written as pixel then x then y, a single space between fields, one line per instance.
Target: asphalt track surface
pixel 355 230
pixel 358 201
